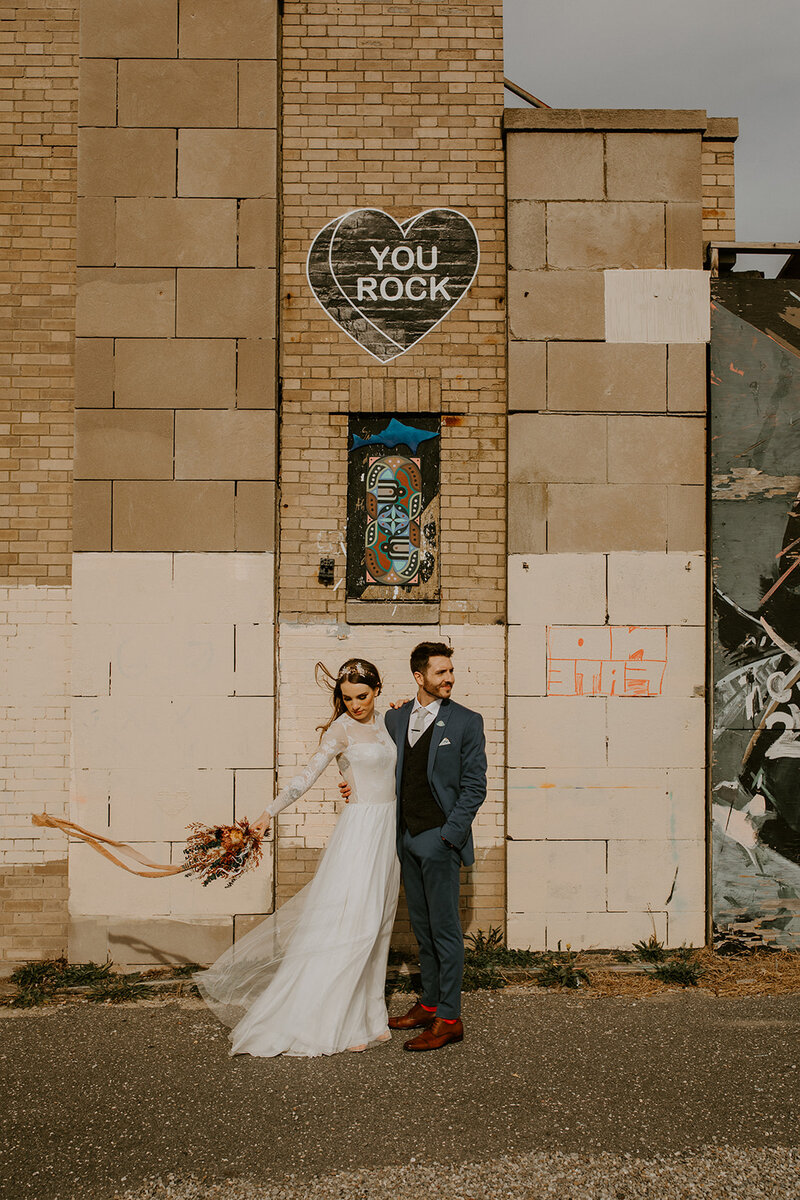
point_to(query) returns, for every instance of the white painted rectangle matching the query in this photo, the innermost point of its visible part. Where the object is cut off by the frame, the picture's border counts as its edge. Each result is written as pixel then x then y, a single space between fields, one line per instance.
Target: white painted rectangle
pixel 657 306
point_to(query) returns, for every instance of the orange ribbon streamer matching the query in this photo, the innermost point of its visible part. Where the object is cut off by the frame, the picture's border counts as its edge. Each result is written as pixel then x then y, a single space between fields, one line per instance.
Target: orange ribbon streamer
pixel 99 843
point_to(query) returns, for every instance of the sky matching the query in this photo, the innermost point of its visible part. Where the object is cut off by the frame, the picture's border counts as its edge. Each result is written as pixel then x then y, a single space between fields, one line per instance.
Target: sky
pixel 734 58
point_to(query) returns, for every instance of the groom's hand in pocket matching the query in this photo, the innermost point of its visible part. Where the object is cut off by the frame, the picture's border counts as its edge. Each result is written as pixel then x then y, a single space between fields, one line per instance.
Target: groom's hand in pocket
pixel 346 790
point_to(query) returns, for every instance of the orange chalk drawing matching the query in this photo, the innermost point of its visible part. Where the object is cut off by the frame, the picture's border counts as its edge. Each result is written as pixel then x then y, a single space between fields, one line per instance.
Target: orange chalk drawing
pixel 609 660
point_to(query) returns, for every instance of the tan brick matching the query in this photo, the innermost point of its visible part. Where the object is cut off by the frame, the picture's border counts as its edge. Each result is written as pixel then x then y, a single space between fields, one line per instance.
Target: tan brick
pixel 91 516
pixel 258 94
pixel 686 378
pixel 596 236
pixel 222 303
pixel 255 517
pixel 177 92
pixel 686 517
pixel 257 361
pixel 97 92
pixel 120 303
pixel 129 28
pixel 224 445
pixel 599 377
pixel 565 305
pixel 527 375
pixel 176 515
pixel 684 235
pixel 526 236
pixel 653 166
pixel 182 233
pixel 94 372
pixel 127 444
pixel 126 162
pixel 175 373
pixel 656 450
pixel 582 518
pixel 238 29
pixel 547 448
pixel 230 162
pixel 96 246
pixel 555 166
pixel 258 233
pixel 527 518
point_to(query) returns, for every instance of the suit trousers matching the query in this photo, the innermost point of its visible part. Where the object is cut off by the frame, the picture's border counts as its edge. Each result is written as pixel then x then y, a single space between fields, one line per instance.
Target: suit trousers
pixel 431 881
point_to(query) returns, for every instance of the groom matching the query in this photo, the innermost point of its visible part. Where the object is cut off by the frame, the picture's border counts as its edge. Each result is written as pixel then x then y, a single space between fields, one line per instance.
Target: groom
pixel 441 784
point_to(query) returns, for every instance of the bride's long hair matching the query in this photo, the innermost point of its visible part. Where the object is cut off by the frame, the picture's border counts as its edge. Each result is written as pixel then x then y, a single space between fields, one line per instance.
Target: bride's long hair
pixel 355 670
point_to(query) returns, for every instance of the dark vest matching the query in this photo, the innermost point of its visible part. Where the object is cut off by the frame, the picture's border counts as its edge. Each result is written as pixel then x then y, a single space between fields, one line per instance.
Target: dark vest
pixel 418 806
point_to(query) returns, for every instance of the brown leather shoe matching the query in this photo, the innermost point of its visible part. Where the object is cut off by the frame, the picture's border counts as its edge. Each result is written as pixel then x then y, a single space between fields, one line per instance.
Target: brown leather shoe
pixel 417 1017
pixel 438 1035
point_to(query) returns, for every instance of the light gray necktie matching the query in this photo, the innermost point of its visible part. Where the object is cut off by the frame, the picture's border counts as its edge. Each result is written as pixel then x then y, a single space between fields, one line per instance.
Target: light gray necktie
pixel 417 726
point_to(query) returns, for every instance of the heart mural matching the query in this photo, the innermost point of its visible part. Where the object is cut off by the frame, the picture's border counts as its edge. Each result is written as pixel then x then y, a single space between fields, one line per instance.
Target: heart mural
pixel 387 284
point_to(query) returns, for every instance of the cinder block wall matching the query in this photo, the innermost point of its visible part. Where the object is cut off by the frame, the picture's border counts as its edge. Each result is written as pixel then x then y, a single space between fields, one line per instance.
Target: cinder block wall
pixel 396 107
pixel 608 316
pixel 173 680
pixel 37 308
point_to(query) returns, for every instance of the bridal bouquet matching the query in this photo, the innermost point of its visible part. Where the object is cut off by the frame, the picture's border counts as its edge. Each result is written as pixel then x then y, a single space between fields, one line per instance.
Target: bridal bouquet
pixel 211 851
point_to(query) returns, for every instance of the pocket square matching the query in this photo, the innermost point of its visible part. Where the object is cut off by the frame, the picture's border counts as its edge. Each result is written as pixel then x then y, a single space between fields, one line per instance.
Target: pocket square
pixel 445 742
pixel 440 722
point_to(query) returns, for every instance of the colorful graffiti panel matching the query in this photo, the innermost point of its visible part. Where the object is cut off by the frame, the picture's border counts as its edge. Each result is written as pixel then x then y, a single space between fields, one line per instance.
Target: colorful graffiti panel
pixel 755 538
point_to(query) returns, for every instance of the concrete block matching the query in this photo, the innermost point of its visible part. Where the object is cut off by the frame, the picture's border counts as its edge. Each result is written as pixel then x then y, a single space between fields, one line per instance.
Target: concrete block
pixel 542 731
pixel 164 801
pixel 687 378
pixel 125 303
pixel 174 515
pixel 256 373
pixel 251 893
pixel 526 235
pixel 239 29
pixel 569 588
pixel 222 587
pixel 255 660
pixel 526 932
pixel 555 166
pixel 684 229
pixel 225 303
pixel 603 930
pixel 686 518
pixel 596 236
pixel 176 233
pixel 526 803
pixel 129 28
pixel 96 241
pixel 122 587
pixel 258 233
pixel 126 162
pixel 662 874
pixel 657 306
pixel 98 888
pixel 174 659
pixel 160 940
pixel 656 589
pixel 551 448
pixel 87 939
pixel 653 166
pixel 658 732
pixel 94 372
pixel 254 516
pixel 686 661
pixel 582 518
pixel 525 877
pixel 91 516
pixel 97 91
pixel 175 373
pixel 177 92
pixel 598 377
pixel 224 444
pixel 559 305
pixel 229 162
pixel 236 732
pixel 254 790
pixel 527 376
pixel 686 928
pixel 527 518
pixel 123 444
pixel 656 450
pixel 527 660
pixel 258 94
pixel 91 660
pixel 561 876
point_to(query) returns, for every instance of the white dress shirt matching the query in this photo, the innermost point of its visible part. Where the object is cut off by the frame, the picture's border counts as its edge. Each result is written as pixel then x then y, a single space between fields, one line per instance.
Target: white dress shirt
pixel 430 712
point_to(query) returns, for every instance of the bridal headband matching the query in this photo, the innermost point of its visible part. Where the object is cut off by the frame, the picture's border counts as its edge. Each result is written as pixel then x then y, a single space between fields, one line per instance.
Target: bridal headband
pixel 355 668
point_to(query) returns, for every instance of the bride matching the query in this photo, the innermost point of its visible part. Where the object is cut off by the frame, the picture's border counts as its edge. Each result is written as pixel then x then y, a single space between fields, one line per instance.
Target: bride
pixel 309 979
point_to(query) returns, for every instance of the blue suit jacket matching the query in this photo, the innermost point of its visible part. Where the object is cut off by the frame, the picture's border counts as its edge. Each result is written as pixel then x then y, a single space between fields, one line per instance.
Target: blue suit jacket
pixel 456 768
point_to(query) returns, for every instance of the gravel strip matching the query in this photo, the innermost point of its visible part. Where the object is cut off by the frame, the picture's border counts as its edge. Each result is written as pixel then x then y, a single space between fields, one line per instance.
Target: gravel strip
pixel 754 1174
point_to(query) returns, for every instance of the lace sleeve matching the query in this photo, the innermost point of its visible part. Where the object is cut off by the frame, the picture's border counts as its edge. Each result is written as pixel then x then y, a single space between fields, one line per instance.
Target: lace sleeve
pixel 334 742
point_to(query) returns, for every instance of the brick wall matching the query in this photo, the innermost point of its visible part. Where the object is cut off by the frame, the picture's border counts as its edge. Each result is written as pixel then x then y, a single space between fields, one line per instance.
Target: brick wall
pixel 719 209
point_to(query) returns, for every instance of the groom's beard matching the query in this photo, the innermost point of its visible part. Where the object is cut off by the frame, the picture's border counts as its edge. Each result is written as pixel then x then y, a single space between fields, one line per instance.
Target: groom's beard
pixel 440 691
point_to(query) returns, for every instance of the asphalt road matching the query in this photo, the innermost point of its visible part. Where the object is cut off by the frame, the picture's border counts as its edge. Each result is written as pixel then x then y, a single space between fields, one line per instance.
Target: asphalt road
pixel 96 1100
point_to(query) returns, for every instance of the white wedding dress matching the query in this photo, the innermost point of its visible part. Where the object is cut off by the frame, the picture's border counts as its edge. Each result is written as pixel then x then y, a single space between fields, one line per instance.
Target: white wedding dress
pixel 310 979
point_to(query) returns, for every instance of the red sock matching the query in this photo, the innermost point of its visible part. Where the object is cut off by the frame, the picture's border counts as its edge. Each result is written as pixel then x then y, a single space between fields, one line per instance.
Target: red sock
pixel 427 1007
pixel 449 1020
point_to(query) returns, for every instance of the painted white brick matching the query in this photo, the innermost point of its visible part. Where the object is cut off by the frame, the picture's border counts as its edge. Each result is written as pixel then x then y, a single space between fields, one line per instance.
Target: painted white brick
pixel 546 731
pixel 664 589
pixel 557 588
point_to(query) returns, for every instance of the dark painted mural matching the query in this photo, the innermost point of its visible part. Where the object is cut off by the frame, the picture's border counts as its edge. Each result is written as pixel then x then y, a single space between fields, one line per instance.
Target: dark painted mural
pixel 393 508
pixel 755 542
